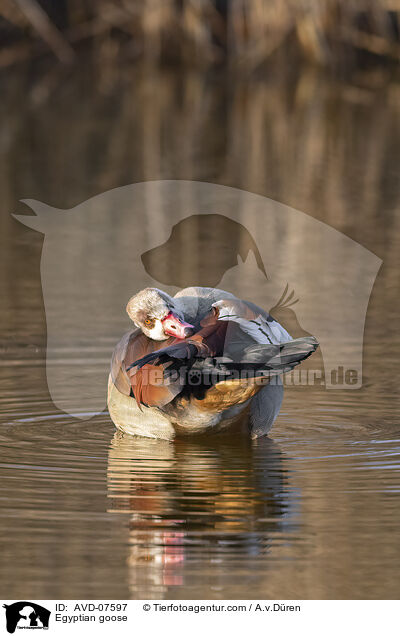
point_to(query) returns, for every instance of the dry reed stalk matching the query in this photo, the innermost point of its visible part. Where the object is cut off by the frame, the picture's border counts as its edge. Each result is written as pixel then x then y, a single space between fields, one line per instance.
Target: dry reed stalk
pixel 244 32
pixel 41 22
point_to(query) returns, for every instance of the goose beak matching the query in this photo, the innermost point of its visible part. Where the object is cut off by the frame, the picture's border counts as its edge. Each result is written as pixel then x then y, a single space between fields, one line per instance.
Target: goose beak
pixel 174 326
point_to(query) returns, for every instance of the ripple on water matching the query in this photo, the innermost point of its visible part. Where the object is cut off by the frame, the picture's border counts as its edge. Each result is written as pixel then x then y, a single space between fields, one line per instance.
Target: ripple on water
pixel 312 512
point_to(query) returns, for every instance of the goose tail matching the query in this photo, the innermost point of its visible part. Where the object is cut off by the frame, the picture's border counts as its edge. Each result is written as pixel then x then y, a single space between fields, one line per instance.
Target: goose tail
pixel 261 359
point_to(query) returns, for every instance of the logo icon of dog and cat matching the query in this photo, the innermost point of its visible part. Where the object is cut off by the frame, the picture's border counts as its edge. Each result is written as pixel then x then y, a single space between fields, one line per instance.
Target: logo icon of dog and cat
pixel 26 615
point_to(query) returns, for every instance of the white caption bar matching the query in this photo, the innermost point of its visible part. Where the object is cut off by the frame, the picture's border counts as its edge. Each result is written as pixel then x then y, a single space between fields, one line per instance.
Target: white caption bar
pixel 126 617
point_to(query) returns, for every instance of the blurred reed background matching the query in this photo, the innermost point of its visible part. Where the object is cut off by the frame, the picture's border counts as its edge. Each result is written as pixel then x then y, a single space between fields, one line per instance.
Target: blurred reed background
pixel 323 142
pixel 246 33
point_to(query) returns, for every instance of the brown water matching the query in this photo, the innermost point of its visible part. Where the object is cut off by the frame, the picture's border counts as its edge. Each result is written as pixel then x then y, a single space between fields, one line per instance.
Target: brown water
pixel 312 512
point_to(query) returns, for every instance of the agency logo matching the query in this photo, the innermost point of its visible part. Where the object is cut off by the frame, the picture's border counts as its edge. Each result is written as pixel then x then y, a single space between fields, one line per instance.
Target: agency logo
pixel 175 234
pixel 26 615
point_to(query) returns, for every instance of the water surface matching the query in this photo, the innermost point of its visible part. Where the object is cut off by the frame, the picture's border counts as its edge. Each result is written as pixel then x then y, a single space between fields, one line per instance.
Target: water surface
pixel 312 512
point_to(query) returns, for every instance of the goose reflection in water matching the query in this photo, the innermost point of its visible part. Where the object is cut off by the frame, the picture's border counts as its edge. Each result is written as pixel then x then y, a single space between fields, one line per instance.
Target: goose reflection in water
pixel 198 512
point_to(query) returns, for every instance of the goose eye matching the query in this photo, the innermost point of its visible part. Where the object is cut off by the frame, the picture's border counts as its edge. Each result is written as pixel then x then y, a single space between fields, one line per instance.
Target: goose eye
pixel 147 321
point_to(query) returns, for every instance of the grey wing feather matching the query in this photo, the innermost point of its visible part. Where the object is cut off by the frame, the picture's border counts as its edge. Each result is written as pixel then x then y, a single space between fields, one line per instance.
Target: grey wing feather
pixel 264 408
pixel 195 302
pixel 268 326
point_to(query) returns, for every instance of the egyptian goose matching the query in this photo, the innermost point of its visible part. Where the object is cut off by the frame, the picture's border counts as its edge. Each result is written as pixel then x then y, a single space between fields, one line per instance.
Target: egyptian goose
pixel 200 362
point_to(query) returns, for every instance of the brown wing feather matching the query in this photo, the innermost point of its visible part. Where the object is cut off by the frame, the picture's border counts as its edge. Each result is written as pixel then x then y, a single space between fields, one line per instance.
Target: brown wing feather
pixel 118 373
pixel 150 387
pixel 145 383
pixel 212 336
pixel 146 361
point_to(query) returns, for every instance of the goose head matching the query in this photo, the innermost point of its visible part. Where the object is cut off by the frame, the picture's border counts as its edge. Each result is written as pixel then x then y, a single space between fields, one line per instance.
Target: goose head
pixel 157 315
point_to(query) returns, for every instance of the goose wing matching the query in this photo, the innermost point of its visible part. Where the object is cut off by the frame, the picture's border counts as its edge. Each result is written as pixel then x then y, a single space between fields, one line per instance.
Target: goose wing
pixel 253 321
